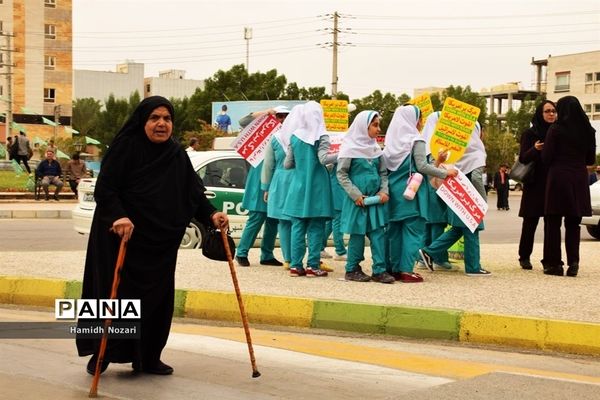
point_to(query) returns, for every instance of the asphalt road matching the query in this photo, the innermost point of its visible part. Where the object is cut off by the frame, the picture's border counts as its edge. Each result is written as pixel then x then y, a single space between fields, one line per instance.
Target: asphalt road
pixel 48 234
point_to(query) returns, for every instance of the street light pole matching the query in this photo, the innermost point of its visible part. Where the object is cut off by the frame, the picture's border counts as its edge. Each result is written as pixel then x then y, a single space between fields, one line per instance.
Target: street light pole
pixel 247 37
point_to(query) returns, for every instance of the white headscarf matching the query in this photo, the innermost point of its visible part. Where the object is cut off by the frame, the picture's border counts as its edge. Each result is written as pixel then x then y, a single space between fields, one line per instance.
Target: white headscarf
pixel 401 135
pixel 475 154
pixel 313 123
pixel 428 130
pixel 290 124
pixel 357 143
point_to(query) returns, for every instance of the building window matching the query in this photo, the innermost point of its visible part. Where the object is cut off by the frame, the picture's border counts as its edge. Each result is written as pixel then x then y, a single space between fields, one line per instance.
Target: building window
pixel 50 62
pixel 589 78
pixel 597 108
pixel 147 88
pixel 1 59
pixel 50 31
pixel 50 3
pixel 587 108
pixel 1 90
pixel 563 81
pixel 597 76
pixel 49 95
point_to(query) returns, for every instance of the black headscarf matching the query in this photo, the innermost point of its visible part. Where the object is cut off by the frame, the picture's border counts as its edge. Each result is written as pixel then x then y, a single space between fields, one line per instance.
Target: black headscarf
pixel 573 120
pixel 540 126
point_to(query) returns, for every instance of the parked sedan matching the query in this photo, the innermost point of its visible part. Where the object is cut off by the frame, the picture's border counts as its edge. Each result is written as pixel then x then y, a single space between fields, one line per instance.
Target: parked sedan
pixel 224 175
pixel 592 223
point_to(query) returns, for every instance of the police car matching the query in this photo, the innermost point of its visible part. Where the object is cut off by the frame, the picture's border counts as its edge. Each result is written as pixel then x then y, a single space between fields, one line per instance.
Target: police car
pixel 224 175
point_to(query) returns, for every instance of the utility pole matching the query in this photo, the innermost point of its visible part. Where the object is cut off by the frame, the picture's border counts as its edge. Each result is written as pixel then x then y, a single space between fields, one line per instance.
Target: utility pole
pixel 334 74
pixel 247 37
pixel 56 120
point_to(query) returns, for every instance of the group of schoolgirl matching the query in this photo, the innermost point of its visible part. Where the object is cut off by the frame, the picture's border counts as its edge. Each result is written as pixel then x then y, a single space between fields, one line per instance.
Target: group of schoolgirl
pixel 401 229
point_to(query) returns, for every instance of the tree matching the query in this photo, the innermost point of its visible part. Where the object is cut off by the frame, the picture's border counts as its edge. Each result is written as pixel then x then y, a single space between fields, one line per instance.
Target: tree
pixel 85 115
pixel 112 118
pixel 501 147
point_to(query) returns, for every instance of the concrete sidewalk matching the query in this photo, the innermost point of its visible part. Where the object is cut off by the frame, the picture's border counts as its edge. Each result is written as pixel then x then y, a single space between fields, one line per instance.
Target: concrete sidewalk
pixel 36 209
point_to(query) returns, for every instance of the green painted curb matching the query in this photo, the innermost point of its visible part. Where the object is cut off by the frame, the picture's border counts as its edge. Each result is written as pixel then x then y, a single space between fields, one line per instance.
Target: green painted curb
pixel 73 289
pixel 354 317
pixel 423 323
pixel 180 296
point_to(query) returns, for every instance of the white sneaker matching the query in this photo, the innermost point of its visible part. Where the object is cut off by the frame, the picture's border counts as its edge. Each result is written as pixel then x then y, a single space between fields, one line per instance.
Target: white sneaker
pixel 342 257
pixel 325 254
pixel 421 265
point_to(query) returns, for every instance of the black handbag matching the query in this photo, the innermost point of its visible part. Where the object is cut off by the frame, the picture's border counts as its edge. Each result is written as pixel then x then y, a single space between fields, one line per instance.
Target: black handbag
pixel 213 247
pixel 522 172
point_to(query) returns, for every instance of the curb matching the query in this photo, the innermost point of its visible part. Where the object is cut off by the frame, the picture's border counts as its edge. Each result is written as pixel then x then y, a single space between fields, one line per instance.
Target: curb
pixel 423 323
pixel 60 214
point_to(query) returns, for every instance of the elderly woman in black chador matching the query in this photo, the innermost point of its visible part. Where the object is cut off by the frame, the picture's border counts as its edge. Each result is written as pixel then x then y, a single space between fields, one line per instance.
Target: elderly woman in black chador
pixel 570 145
pixel 534 190
pixel 146 181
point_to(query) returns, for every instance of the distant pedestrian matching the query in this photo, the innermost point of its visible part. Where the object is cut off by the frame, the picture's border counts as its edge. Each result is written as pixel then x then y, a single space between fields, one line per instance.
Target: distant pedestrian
pixel 501 185
pixel 194 145
pixel 24 150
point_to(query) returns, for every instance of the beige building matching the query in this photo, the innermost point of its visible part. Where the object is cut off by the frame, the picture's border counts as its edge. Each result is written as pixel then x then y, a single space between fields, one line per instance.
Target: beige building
pixel 171 84
pixel 575 75
pixel 37 42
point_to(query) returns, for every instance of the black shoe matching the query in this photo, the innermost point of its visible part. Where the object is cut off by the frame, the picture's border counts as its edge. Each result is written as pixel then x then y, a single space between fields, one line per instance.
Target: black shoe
pixel 357 275
pixel 556 271
pixel 272 261
pixel 56 197
pixel 47 197
pixel 159 368
pixel 573 269
pixel 427 260
pixel 91 365
pixel 525 264
pixel 243 261
pixel 384 277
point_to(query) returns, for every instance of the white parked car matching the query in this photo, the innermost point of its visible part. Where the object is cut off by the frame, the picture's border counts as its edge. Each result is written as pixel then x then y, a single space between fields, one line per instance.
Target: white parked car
pixel 514 185
pixel 224 175
pixel 592 223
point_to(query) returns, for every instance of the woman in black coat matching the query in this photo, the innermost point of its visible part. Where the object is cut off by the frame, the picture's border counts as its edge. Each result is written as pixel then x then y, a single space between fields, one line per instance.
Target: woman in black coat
pixel 570 146
pixel 534 191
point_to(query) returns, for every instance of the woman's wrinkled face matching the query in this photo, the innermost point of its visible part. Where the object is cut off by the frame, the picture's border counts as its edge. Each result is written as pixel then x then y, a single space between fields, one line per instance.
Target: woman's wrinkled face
pixel 159 126
pixel 549 113
pixel 374 128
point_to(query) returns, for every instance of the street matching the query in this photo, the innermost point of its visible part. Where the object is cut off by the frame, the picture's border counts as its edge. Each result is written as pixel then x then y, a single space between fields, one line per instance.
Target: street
pixel 211 362
pixel 58 234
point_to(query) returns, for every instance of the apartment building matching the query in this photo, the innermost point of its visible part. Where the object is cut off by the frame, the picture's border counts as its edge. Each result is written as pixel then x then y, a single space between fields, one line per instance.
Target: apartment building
pixel 575 75
pixel 36 81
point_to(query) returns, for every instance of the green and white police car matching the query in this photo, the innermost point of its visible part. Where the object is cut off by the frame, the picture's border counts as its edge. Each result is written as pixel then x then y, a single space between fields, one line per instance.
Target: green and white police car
pixel 224 175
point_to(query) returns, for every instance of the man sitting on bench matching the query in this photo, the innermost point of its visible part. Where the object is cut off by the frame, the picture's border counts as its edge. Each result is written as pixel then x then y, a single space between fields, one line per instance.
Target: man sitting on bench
pixel 50 172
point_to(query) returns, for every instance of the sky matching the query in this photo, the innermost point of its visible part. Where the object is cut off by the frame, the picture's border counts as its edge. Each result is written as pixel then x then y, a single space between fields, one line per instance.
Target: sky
pixel 392 46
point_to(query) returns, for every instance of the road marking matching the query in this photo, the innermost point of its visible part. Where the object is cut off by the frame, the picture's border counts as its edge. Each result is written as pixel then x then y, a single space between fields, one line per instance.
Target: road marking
pixel 405 361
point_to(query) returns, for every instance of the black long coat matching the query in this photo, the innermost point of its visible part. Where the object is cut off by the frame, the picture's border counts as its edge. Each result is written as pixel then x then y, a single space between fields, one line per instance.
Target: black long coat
pixel 534 192
pixel 567 189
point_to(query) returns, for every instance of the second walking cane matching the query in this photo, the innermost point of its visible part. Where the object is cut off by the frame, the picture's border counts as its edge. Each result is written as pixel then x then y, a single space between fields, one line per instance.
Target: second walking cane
pixel 255 373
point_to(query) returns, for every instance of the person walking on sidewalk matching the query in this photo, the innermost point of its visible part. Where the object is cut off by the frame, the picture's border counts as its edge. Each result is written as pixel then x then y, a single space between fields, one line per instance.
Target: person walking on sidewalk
pixel 534 191
pixel 570 145
pixel 50 172
pixel 146 194
pixel 362 173
pixel 254 202
pixel 24 150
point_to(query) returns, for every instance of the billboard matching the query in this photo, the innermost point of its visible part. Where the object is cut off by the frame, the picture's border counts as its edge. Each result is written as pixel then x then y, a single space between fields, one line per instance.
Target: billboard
pixel 238 109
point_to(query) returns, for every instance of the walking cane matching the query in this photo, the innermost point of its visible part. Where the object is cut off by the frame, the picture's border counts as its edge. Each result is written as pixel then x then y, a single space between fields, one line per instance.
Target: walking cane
pixel 255 373
pixel 113 295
